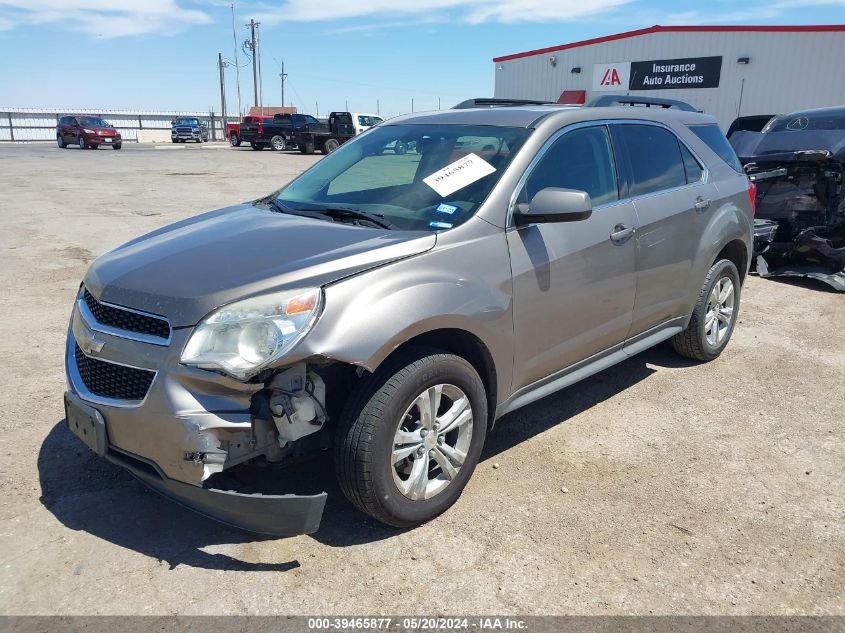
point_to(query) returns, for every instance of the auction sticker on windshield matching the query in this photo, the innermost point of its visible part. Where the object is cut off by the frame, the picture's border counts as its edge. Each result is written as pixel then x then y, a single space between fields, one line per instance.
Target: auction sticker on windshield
pixel 459 174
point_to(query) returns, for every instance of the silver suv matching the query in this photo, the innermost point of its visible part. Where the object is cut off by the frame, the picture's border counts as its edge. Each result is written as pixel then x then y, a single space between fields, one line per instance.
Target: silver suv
pixel 391 307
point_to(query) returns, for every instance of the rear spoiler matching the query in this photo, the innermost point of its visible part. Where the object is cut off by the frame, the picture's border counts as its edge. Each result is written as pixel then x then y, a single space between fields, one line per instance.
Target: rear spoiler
pixel 599 102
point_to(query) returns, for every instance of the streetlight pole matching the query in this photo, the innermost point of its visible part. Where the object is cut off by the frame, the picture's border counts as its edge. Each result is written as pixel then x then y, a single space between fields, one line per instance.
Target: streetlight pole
pixel 237 63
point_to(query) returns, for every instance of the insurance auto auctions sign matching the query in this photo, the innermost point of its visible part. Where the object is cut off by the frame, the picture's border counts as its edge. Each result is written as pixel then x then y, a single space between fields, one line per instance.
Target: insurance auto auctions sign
pixel 659 74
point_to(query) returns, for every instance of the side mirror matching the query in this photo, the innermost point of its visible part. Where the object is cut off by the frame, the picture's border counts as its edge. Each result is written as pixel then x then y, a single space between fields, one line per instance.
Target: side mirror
pixel 555 205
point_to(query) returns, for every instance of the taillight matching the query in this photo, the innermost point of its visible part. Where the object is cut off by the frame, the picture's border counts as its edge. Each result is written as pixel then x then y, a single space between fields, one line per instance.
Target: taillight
pixel 260 129
pixel 752 196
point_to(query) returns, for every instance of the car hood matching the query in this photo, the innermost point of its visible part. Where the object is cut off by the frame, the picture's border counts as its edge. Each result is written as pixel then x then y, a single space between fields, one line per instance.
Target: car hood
pixel 185 270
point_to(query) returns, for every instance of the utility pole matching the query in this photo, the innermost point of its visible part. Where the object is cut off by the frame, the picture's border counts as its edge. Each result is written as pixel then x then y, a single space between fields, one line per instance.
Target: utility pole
pixel 237 63
pixel 283 75
pixel 378 107
pixel 347 105
pixel 317 105
pixel 412 104
pixel 260 79
pixel 220 64
pixel 251 45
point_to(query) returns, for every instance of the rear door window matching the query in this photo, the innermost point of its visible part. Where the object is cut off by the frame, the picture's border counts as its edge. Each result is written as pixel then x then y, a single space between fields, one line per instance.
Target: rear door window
pixel 581 160
pixel 715 140
pixel 655 159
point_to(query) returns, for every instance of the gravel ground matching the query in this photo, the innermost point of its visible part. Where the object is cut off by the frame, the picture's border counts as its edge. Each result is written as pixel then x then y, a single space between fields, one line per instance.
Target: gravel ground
pixel 658 486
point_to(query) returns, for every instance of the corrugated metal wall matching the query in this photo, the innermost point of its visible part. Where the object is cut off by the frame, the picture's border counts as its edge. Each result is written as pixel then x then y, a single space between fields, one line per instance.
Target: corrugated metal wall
pixel 788 71
pixel 24 124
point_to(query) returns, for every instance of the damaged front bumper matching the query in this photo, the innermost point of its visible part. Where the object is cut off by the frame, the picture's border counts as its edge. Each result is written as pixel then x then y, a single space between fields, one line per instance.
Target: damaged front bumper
pixel 275 515
pixel 181 428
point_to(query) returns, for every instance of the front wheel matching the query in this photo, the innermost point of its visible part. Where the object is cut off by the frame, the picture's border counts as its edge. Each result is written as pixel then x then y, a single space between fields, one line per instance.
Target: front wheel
pixel 256 146
pixel 82 143
pixel 411 436
pixel 330 145
pixel 118 146
pixel 714 316
pixel 60 141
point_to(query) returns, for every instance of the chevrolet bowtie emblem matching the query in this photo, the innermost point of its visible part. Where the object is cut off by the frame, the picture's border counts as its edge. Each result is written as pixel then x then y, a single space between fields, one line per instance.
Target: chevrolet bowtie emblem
pixel 88 341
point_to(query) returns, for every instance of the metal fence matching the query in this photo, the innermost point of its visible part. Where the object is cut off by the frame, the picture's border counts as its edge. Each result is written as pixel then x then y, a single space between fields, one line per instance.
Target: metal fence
pixel 36 124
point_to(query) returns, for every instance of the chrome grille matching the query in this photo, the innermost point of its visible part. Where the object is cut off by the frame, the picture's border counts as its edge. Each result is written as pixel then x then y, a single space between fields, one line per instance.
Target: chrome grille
pixel 128 320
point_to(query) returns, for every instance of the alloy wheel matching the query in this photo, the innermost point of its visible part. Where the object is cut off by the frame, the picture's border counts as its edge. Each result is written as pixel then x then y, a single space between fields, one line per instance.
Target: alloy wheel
pixel 431 441
pixel 720 311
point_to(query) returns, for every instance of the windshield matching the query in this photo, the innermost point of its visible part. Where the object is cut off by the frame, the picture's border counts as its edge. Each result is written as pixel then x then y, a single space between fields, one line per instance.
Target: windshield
pixel 417 177
pixel 93 121
pixel 194 122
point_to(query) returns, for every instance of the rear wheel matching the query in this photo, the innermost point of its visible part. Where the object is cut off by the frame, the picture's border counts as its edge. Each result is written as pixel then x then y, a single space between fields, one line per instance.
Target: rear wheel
pixel 235 140
pixel 278 143
pixel 411 436
pixel 118 146
pixel 60 141
pixel 330 145
pixel 714 316
pixel 400 148
pixel 82 143
pixel 256 146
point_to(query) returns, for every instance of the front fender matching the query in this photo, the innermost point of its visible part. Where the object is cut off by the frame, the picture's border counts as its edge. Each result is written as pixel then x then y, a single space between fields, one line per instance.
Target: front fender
pixel 464 283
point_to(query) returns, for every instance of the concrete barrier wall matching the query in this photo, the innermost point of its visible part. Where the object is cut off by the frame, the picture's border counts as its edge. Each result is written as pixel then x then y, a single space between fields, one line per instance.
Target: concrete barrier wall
pixel 33 124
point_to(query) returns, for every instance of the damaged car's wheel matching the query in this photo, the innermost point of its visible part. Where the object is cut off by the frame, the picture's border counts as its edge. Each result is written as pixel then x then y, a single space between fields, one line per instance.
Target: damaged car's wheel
pixel 411 437
pixel 714 316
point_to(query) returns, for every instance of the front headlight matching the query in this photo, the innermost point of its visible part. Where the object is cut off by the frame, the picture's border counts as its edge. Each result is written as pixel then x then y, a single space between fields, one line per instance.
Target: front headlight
pixel 244 337
pixel 87 131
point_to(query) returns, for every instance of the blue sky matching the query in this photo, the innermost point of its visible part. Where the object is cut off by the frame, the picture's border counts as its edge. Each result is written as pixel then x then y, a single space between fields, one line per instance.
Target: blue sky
pixel 162 54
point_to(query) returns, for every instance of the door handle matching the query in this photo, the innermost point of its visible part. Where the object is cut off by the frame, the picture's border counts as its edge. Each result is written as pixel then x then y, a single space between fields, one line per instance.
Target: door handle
pixel 701 204
pixel 621 233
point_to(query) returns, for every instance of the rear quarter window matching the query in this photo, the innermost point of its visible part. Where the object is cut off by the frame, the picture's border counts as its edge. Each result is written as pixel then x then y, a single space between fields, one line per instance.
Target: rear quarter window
pixel 715 140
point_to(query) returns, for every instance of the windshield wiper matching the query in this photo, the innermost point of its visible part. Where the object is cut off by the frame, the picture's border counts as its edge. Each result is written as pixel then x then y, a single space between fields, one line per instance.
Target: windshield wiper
pixel 332 213
pixel 342 213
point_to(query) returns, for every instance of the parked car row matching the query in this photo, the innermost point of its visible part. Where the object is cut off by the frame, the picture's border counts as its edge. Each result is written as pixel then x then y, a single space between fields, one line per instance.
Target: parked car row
pixel 279 132
pixel 302 131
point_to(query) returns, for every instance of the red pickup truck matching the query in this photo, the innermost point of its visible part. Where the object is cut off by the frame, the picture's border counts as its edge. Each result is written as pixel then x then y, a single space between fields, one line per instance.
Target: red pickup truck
pixel 233 130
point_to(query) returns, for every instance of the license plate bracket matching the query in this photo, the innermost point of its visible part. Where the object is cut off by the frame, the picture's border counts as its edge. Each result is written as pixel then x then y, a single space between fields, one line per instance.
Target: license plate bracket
pixel 87 424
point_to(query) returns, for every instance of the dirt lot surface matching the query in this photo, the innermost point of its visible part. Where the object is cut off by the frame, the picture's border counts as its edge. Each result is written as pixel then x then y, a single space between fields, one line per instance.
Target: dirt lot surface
pixel 658 486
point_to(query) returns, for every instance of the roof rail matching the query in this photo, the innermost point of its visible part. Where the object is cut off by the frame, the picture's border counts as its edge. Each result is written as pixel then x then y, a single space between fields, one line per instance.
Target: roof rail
pixel 649 102
pixel 489 102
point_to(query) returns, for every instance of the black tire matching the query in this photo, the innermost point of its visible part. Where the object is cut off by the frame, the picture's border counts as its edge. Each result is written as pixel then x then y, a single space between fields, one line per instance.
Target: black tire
pixel 256 146
pixel 693 341
pixel 302 149
pixel 308 147
pixel 60 141
pixel 366 430
pixel 330 146
pixel 118 146
pixel 278 143
pixel 400 148
pixel 82 143
pixel 234 140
